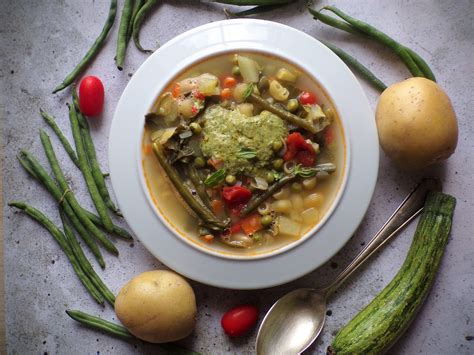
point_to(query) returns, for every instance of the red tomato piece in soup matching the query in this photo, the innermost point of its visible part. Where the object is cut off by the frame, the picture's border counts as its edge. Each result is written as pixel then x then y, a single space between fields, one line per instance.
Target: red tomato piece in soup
pixel 235 196
pixel 91 96
pixel 305 158
pixel 300 150
pixel 307 98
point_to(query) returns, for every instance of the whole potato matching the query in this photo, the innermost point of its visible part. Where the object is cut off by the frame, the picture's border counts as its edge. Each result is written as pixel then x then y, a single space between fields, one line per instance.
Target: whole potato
pixel 416 123
pixel 157 306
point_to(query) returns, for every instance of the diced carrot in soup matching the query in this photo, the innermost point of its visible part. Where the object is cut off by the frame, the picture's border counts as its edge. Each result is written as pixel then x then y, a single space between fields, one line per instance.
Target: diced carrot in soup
pixel 251 224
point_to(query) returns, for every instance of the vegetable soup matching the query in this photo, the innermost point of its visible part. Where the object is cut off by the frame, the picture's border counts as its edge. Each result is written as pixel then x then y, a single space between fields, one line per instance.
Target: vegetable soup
pixel 243 153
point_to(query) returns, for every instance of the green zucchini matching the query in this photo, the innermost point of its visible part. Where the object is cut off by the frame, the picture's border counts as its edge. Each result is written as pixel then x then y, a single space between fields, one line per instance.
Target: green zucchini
pixel 379 325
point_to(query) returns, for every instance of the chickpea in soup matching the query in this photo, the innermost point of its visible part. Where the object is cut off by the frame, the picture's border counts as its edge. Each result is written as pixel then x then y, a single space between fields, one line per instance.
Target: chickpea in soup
pixel 243 151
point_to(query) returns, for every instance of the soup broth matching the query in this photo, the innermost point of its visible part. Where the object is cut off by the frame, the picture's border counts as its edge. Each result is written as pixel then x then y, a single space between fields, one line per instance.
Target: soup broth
pixel 263 179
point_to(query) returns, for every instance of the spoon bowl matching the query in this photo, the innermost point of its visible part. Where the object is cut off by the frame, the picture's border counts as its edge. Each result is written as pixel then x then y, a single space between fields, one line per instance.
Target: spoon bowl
pixel 298 318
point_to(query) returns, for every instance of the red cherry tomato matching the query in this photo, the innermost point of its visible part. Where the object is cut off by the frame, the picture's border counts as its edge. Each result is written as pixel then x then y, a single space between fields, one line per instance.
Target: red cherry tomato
pixel 239 320
pixel 91 96
pixel 307 98
pixel 235 196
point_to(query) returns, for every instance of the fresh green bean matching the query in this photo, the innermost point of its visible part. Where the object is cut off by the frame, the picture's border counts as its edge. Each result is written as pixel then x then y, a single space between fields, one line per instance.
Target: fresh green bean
pixel 86 171
pixel 92 52
pixel 123 33
pixel 253 2
pixel 257 10
pixel 137 5
pixel 287 116
pixel 67 146
pixel 356 65
pixel 381 37
pixel 119 231
pixel 100 324
pixel 149 4
pixel 120 331
pixel 96 171
pixel 196 180
pixel 345 26
pixel 61 240
pixel 201 211
pixel 84 263
pixel 428 73
pixel 69 195
pixel 27 166
pixel 81 118
pixel 257 200
pixel 75 100
pixel 89 147
pixel 333 22
pixel 33 166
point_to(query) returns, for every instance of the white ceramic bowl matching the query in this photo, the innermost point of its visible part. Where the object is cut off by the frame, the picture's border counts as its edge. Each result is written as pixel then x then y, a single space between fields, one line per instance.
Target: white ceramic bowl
pixel 297 258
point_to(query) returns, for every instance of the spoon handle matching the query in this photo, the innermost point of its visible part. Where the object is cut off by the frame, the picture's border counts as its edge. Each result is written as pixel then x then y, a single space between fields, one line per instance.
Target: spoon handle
pixel 404 214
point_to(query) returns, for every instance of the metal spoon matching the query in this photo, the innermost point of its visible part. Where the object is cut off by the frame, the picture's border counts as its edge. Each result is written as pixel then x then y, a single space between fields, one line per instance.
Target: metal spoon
pixel 295 320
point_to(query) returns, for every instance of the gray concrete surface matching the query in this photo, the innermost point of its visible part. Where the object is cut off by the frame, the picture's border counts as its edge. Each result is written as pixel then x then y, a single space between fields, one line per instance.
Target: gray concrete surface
pixel 42 40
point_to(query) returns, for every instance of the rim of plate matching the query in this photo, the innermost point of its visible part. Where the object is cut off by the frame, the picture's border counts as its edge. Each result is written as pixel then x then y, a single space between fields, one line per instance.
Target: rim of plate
pixel 348 207
pixel 198 57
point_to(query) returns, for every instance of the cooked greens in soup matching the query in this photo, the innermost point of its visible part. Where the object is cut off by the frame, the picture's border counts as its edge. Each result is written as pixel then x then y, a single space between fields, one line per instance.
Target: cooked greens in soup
pixel 243 151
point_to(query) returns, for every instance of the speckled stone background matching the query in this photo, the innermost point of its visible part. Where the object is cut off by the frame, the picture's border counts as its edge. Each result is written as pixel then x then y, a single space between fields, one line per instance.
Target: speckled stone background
pixel 42 40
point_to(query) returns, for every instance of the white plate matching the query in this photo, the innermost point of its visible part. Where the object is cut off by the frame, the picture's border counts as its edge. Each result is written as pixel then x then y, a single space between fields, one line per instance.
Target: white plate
pixel 238 35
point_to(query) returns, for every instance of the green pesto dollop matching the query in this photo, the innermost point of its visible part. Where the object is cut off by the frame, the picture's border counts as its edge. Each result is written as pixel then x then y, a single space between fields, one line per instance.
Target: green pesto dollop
pixel 227 133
